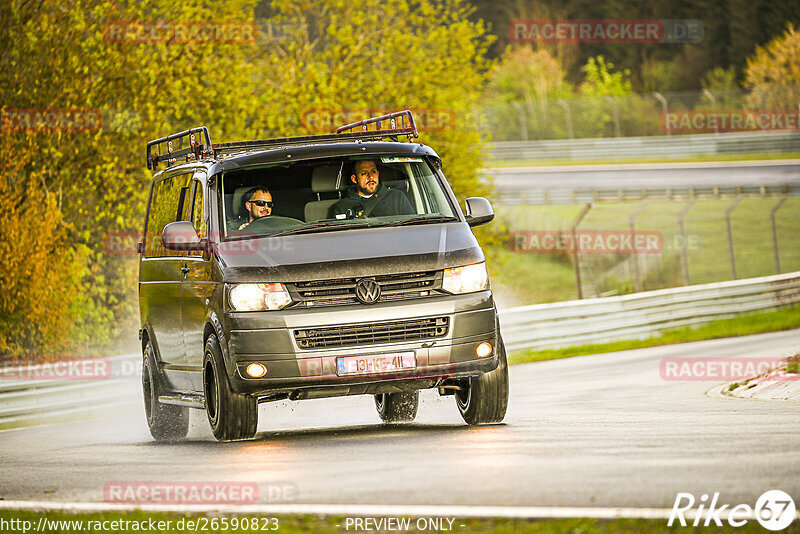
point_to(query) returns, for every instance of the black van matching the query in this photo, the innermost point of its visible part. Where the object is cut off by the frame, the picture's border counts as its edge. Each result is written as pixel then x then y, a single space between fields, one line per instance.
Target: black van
pixel 312 267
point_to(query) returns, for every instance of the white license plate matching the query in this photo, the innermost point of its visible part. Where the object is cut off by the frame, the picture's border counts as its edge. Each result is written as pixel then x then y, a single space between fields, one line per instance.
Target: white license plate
pixel 375 363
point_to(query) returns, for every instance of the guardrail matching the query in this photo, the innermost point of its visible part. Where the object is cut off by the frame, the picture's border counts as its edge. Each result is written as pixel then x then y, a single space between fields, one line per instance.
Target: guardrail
pixel 35 401
pixel 640 315
pixel 510 197
pixel 666 146
pixel 597 320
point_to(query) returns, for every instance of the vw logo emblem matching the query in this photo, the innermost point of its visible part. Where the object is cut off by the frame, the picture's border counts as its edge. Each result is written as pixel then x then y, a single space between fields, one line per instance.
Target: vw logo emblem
pixel 368 291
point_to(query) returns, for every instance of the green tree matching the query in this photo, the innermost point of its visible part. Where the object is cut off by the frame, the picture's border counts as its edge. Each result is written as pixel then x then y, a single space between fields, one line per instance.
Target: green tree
pixel 774 70
pixel 380 55
pixel 328 54
pixel 601 80
pixel 526 83
pixel 592 111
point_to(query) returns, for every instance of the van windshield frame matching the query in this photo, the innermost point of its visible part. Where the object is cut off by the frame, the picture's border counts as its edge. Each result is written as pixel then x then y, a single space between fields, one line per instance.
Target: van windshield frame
pixel 319 195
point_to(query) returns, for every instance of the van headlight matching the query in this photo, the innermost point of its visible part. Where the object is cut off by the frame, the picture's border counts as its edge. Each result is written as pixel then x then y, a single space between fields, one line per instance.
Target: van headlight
pixel 258 297
pixel 466 279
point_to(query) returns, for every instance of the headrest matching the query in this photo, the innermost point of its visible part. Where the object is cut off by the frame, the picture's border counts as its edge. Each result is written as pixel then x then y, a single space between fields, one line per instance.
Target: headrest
pixel 323 179
pixel 238 204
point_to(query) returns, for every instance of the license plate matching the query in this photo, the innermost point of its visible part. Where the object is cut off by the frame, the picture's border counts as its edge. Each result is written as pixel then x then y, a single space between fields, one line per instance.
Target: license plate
pixel 375 363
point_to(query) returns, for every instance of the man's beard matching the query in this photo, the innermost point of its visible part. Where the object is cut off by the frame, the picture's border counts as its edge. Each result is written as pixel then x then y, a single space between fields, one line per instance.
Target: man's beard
pixel 367 192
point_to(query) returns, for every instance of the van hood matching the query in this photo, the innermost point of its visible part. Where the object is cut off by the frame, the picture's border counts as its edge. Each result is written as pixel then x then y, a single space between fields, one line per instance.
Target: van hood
pixel 346 253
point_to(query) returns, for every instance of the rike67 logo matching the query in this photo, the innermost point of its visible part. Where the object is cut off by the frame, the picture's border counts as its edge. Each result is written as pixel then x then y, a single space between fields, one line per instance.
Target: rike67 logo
pixel 774 510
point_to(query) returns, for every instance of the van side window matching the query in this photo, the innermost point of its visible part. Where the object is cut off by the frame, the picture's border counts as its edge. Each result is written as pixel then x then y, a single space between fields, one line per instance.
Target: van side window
pixel 166 207
pixel 198 220
pixel 184 204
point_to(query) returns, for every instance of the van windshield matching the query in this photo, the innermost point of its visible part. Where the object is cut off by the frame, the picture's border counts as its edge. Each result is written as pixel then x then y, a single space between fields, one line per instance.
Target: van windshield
pixel 332 194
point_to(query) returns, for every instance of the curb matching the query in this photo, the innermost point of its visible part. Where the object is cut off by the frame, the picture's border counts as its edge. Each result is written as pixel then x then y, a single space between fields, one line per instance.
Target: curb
pixel 776 385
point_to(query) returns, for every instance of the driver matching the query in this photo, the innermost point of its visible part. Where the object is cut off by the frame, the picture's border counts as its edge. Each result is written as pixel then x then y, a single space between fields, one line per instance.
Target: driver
pixel 370 197
pixel 257 203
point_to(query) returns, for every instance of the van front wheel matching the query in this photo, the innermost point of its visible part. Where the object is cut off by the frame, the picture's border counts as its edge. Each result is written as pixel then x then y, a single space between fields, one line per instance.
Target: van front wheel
pixel 232 416
pixel 484 399
pixel 166 422
pixel 398 407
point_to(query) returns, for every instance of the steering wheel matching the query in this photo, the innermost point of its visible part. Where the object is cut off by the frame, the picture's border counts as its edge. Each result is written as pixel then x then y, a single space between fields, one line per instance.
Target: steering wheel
pixel 272 223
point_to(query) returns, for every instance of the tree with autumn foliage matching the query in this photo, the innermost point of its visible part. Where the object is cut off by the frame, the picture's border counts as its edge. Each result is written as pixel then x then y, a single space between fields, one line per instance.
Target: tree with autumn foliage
pixel 774 71
pixel 70 190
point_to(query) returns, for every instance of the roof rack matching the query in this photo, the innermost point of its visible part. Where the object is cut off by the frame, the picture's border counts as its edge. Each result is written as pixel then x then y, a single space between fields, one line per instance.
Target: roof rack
pixel 195 151
pixel 410 130
pixel 198 150
pixel 340 136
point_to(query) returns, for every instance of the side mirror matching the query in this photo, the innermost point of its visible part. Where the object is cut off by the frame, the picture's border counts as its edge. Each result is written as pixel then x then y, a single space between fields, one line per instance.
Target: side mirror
pixel 181 235
pixel 479 211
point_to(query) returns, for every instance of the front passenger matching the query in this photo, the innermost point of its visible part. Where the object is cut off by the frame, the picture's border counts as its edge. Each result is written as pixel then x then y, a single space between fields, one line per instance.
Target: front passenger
pixel 370 197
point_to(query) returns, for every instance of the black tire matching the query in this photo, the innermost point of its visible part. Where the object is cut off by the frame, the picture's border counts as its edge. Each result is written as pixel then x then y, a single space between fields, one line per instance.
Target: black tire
pixel 167 422
pixel 397 407
pixel 485 399
pixel 232 416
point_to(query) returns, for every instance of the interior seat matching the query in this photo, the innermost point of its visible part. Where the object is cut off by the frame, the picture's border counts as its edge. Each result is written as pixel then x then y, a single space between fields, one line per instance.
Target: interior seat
pixel 237 206
pixel 324 179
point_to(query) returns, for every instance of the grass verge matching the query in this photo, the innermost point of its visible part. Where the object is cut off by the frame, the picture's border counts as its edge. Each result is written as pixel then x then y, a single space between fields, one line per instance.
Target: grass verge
pixel 531 276
pixel 751 323
pixel 617 161
pixel 93 522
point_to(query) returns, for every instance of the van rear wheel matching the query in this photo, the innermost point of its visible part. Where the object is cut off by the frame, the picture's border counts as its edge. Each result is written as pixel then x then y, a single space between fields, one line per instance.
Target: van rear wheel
pixel 232 416
pixel 166 422
pixel 398 407
pixel 484 399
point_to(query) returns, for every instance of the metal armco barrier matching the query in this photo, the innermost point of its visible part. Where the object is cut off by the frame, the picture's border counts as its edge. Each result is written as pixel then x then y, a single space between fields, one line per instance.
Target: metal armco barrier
pixel 26 402
pixel 667 146
pixel 560 324
pixel 641 315
pixel 517 197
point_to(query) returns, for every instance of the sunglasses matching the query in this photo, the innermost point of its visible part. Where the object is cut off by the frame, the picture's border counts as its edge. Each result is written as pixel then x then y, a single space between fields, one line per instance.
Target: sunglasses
pixel 261 203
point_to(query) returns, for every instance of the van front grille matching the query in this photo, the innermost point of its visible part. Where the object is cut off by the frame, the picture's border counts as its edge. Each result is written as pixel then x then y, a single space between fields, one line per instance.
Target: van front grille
pixel 371 333
pixel 341 291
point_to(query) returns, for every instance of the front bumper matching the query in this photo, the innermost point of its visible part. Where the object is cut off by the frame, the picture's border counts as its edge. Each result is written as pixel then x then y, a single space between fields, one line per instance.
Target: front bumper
pixel 268 338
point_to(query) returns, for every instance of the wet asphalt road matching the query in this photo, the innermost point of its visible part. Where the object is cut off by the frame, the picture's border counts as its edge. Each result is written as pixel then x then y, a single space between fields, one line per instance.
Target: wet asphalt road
pixel 601 430
pixel 648 176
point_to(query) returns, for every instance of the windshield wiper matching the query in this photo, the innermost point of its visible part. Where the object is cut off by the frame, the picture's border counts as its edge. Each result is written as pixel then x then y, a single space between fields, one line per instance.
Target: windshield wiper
pixel 319 226
pixel 424 219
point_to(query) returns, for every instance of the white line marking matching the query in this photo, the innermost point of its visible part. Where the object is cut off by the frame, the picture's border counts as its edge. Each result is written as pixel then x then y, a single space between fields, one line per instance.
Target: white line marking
pixel 368 510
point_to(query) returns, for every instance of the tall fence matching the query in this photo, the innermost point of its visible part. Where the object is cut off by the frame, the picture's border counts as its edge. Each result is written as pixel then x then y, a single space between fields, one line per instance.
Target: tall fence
pixel 713 111
pixel 686 240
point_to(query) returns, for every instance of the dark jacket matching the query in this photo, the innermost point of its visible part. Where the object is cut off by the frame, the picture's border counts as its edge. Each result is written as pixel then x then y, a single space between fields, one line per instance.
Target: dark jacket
pixel 385 201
